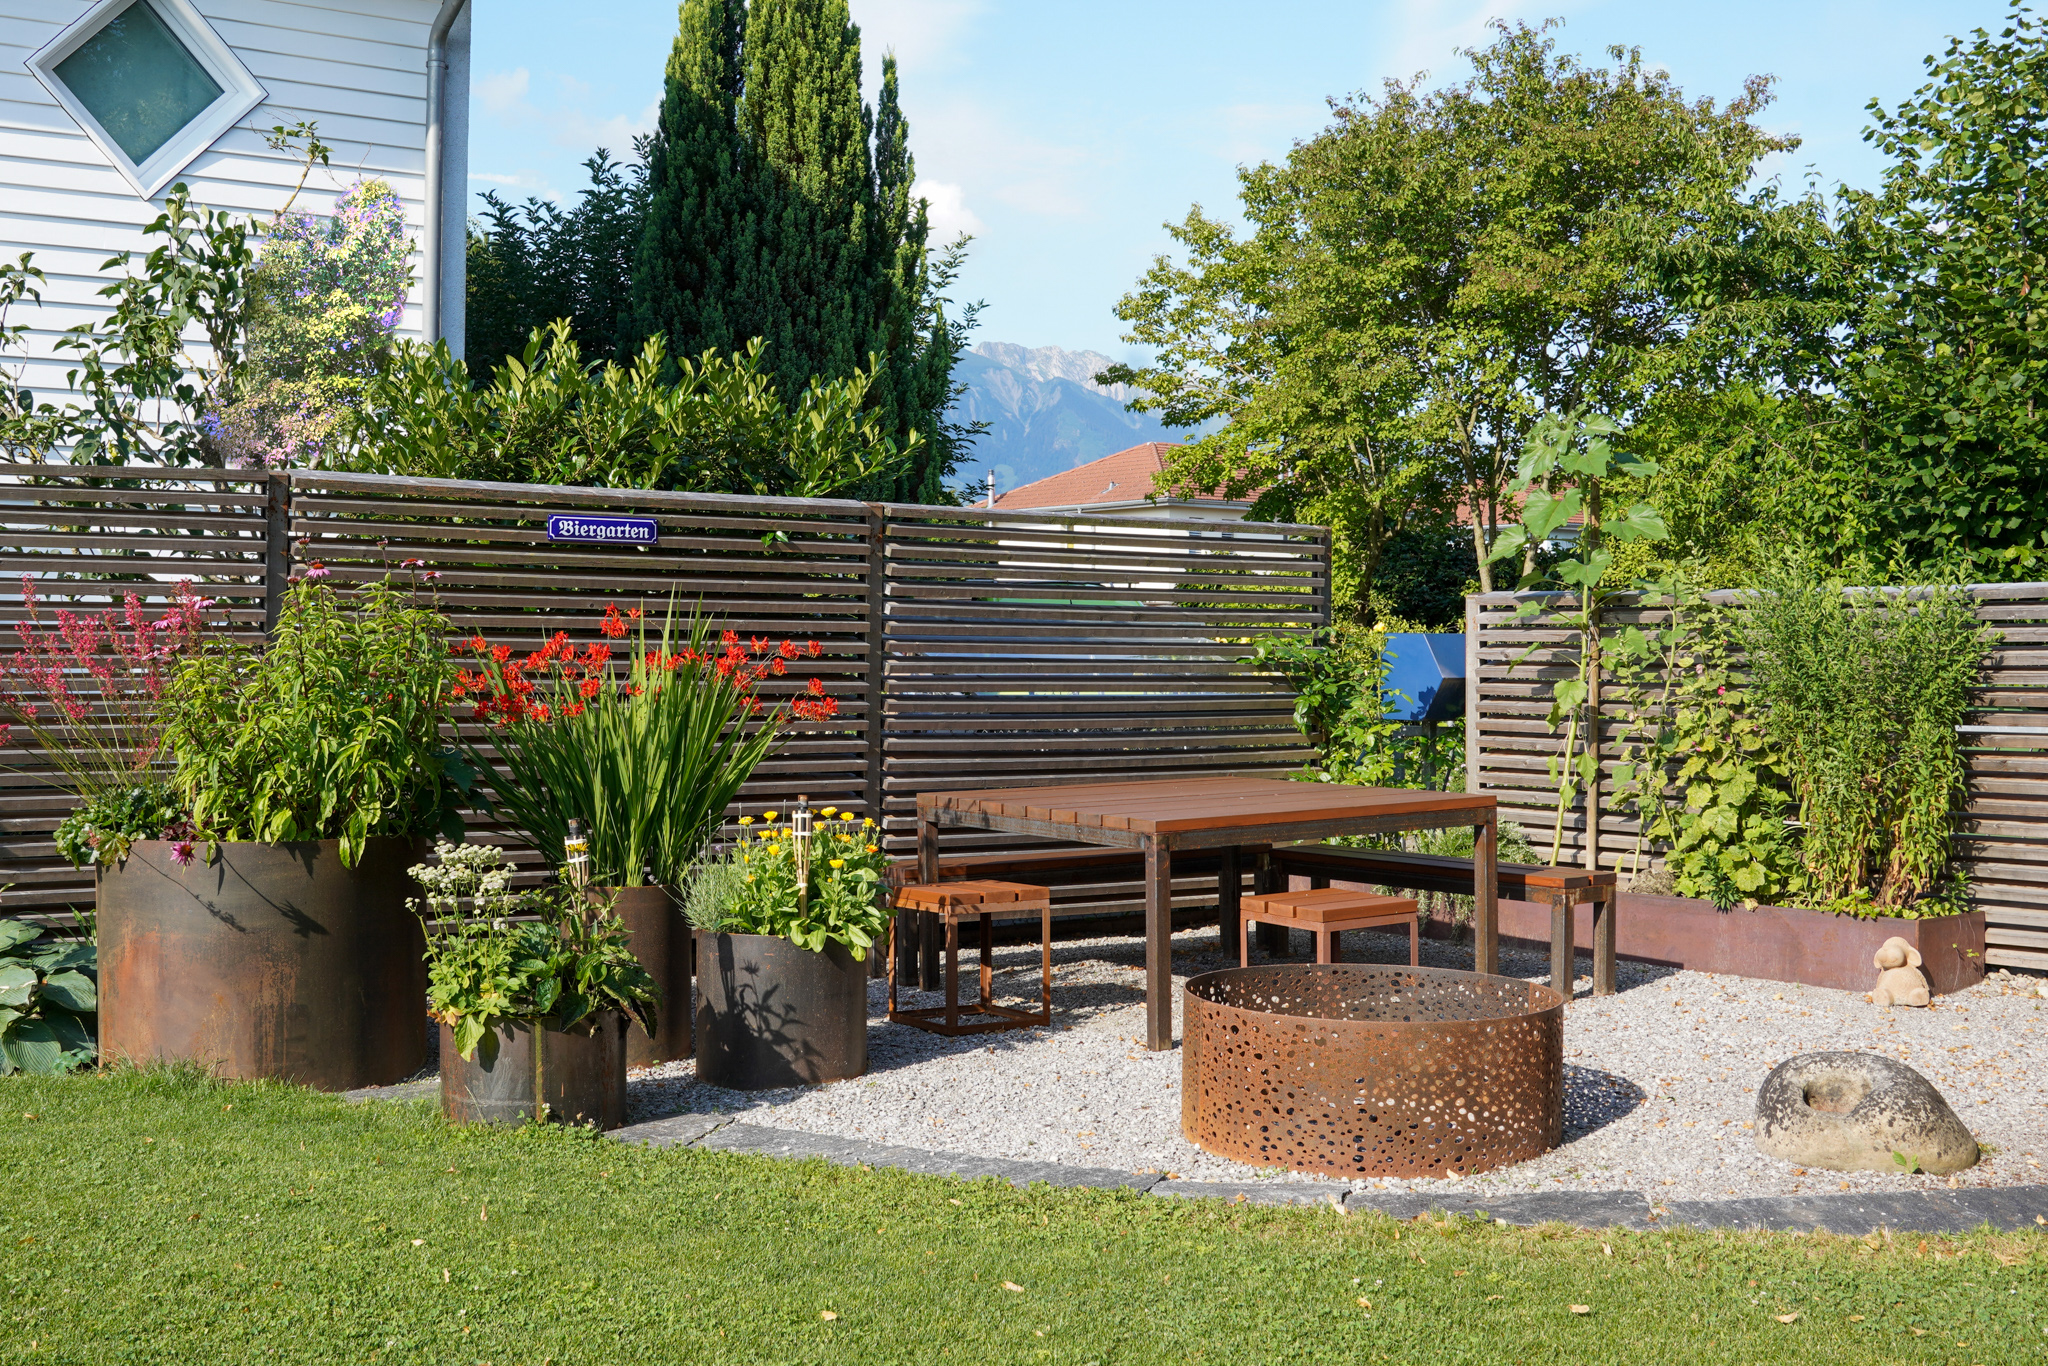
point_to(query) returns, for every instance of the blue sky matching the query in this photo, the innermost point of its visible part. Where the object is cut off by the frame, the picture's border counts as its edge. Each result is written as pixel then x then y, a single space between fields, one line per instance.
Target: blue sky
pixel 1062 134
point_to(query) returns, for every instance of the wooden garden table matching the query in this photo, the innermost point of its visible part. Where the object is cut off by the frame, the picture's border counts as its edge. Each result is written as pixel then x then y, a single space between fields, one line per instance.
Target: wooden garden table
pixel 1225 814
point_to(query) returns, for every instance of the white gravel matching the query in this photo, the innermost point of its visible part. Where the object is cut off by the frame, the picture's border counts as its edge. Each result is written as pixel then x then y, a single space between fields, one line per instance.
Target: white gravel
pixel 1660 1078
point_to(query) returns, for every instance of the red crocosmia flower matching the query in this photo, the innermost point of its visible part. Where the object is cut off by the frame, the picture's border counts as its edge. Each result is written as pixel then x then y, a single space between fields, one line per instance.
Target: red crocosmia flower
pixel 540 711
pixel 759 644
pixel 537 660
pixel 501 653
pixel 787 649
pixel 572 709
pixel 816 687
pixel 589 688
pixel 632 690
pixel 479 644
pixel 778 668
pixel 728 638
pixel 815 649
pixel 633 612
pixel 612 625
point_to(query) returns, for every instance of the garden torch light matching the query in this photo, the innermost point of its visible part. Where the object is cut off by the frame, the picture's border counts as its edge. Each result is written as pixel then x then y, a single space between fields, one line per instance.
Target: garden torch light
pixel 800 836
pixel 577 848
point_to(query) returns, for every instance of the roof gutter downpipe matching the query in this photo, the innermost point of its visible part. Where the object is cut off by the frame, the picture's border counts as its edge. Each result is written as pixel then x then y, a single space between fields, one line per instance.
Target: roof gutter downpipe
pixel 437 87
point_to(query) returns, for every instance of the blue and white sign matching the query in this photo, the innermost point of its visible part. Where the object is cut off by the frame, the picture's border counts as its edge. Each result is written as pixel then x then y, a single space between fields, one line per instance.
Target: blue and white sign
pixel 570 526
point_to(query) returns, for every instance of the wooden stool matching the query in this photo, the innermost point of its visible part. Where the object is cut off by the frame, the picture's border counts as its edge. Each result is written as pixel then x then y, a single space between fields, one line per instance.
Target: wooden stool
pixel 953 902
pixel 1326 914
pixel 1567 889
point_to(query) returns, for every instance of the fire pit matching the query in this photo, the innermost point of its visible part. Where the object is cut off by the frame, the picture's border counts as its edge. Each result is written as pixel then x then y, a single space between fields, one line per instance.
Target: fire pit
pixel 1353 1070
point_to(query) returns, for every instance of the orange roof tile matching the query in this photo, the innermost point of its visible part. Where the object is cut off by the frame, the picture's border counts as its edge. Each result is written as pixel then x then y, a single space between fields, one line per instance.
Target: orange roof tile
pixel 1120 478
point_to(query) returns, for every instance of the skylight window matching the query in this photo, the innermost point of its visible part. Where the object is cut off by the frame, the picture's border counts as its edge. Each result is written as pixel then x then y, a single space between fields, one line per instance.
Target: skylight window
pixel 150 82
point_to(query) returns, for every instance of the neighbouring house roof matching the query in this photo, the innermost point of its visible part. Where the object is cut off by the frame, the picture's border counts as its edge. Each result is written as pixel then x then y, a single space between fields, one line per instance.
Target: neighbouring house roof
pixel 1122 479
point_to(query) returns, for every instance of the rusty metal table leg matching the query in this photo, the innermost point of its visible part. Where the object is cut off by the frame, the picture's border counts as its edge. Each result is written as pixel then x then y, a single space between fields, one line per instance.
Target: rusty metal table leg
pixel 1158 945
pixel 1229 899
pixel 1485 886
pixel 1603 943
pixel 1561 967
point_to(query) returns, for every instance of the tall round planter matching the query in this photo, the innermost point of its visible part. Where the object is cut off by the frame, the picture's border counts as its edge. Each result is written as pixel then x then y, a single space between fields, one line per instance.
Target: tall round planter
pixel 569 1076
pixel 660 940
pixel 272 960
pixel 772 1014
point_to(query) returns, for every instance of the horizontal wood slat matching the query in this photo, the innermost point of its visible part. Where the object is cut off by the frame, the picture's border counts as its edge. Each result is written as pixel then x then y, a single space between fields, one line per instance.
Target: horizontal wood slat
pixel 2002 831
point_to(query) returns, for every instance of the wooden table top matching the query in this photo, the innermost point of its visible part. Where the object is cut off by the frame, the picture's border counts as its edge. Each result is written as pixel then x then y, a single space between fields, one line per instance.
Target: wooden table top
pixel 1174 805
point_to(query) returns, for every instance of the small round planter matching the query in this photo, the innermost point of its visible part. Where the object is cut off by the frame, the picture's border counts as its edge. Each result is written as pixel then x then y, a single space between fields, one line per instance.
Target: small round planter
pixel 771 1014
pixel 568 1076
pixel 661 941
pixel 273 960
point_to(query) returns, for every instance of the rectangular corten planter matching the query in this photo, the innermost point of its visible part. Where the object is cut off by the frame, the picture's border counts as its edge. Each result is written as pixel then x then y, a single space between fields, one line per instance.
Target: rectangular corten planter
pixel 1776 943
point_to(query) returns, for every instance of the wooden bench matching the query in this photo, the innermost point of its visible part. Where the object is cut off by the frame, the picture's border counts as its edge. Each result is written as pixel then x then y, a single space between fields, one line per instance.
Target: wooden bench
pixel 949 904
pixel 1563 889
pixel 1327 914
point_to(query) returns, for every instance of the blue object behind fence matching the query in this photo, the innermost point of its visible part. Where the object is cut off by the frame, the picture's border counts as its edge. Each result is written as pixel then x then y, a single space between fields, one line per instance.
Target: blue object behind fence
pixel 1428 670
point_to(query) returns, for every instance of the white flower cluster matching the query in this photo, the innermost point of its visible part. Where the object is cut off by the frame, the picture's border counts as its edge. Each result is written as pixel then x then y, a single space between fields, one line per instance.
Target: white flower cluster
pixel 480 874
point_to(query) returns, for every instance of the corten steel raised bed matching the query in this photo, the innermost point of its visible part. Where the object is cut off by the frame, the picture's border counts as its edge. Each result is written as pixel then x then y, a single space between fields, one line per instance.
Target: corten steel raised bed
pixel 1356 1070
pixel 660 939
pixel 566 1076
pixel 272 960
pixel 1774 943
pixel 771 1014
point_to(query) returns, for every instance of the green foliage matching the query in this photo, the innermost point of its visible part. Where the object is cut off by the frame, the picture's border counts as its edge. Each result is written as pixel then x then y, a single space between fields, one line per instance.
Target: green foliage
pixel 756 887
pixel 717 425
pixel 49 1000
pixel 331 732
pixel 1863 691
pixel 648 760
pixel 100 831
pixel 323 303
pixel 1338 676
pixel 1949 351
pixel 779 209
pixel 1693 727
pixel 1437 271
pixel 551 956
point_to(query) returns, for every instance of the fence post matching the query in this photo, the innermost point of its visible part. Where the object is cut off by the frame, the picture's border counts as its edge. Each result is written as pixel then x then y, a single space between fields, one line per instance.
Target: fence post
pixel 1471 693
pixel 277 533
pixel 877 588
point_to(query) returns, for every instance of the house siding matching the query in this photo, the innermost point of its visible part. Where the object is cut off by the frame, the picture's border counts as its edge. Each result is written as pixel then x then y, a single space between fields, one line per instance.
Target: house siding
pixel 357 70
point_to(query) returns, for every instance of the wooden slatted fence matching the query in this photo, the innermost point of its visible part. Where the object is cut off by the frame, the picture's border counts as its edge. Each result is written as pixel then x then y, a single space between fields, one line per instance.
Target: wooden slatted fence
pixel 2004 827
pixel 966 647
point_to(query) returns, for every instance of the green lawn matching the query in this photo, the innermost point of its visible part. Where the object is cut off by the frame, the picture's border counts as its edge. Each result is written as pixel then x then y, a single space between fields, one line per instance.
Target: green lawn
pixel 160 1217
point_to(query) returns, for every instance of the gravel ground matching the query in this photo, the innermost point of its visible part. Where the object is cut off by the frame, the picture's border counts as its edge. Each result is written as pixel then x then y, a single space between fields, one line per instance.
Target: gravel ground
pixel 1659 1087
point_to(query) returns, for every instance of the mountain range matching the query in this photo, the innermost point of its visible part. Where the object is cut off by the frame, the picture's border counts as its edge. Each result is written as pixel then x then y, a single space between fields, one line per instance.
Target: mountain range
pixel 1045 413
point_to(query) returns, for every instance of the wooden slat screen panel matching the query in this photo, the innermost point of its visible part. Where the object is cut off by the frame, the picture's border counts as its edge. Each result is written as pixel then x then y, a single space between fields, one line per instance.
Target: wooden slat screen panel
pixel 1030 647
pixel 2005 823
pixel 1016 647
pixel 87 537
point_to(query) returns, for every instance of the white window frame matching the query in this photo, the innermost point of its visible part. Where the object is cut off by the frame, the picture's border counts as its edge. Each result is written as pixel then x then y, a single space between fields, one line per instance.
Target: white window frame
pixel 240 91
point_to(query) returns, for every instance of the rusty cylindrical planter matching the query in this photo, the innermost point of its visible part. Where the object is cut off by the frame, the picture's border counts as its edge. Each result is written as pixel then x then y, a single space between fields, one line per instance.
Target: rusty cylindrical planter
pixel 273 960
pixel 772 1014
pixel 1353 1070
pixel 660 939
pixel 568 1076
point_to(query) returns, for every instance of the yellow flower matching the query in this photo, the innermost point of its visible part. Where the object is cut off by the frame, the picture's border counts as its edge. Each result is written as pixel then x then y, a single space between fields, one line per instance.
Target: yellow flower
pixel 873 850
pixel 829 812
pixel 746 820
pixel 839 863
pixel 750 877
pixel 767 815
pixel 867 823
pixel 774 848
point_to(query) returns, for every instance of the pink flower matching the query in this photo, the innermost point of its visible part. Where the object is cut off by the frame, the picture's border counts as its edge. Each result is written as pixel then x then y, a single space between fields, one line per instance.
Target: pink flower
pixel 181 853
pixel 6 734
pixel 317 570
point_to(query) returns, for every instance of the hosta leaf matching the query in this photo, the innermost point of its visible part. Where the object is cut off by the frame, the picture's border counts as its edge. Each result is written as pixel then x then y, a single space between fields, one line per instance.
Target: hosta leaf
pixel 17 984
pixel 73 991
pixel 34 1046
pixel 65 955
pixel 13 932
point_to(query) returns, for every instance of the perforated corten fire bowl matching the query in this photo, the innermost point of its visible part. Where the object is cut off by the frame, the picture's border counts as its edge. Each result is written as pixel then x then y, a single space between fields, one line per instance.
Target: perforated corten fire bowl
pixel 1353 1070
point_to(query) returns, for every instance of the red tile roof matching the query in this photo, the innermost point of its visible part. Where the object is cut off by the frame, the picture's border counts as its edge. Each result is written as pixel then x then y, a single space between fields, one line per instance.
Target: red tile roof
pixel 1120 478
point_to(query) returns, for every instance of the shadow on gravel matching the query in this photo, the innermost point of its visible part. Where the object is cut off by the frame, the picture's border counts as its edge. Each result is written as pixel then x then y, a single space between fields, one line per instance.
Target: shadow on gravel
pixel 1594 1099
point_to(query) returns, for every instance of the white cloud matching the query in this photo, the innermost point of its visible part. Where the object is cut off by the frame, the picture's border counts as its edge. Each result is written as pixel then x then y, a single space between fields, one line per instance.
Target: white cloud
pixel 922 33
pixel 502 92
pixel 950 215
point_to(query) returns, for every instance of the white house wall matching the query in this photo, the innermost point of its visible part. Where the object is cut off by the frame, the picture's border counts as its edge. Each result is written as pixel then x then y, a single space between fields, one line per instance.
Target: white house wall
pixel 356 69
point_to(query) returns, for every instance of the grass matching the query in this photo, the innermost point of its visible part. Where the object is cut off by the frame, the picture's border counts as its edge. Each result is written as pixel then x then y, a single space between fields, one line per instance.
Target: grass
pixel 159 1216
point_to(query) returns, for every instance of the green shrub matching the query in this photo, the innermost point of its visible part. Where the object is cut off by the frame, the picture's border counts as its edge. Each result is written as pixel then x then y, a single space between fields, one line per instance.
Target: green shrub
pixel 49 999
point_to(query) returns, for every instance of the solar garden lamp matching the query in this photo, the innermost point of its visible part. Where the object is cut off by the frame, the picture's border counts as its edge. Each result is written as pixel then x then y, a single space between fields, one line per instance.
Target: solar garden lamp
pixel 800 835
pixel 576 847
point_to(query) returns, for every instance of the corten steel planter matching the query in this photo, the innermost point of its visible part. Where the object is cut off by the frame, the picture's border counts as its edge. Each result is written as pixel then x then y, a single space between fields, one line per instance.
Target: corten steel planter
pixel 1356 1070
pixel 273 960
pixel 660 939
pixel 1775 943
pixel 771 1014
pixel 566 1076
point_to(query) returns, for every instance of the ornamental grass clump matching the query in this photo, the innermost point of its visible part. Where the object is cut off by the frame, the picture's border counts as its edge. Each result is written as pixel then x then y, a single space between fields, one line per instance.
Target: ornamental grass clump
pixel 549 957
pixel 757 883
pixel 646 745
pixel 1863 689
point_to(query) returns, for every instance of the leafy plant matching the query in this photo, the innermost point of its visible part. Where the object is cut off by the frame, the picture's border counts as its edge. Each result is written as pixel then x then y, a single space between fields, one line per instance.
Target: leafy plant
pixel 648 756
pixel 101 831
pixel 333 731
pixel 49 1000
pixel 752 887
pixel 1341 707
pixel 1562 474
pixel 1863 689
pixel 550 957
